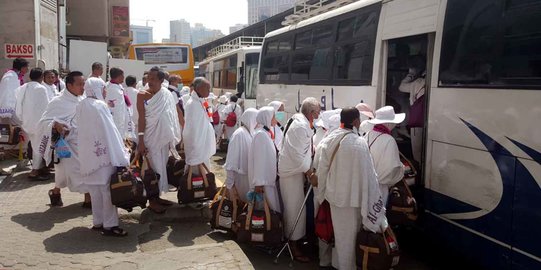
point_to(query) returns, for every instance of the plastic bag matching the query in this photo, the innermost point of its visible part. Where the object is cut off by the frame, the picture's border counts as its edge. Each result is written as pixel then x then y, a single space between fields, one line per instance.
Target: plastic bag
pixel 61 149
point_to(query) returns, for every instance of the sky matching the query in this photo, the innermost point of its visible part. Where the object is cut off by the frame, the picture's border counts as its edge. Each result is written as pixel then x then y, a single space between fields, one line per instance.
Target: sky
pixel 214 14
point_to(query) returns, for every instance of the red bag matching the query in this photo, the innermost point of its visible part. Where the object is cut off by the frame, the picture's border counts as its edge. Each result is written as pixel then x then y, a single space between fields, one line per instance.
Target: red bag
pixel 231 120
pixel 216 118
pixel 417 113
pixel 324 228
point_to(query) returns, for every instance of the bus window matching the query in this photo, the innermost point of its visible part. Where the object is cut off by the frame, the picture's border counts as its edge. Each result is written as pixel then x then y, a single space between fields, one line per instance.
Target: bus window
pixel 354 62
pixel 251 71
pixel 491 43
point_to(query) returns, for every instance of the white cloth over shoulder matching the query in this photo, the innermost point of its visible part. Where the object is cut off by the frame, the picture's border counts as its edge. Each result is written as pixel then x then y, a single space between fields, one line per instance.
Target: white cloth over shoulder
pixel 386 160
pixel 32 100
pixel 94 87
pixel 132 95
pixel 9 83
pixel 162 125
pixel 262 158
pixel 240 143
pixel 100 143
pixel 351 180
pixel 296 153
pixel 199 138
pixel 114 97
pixel 52 91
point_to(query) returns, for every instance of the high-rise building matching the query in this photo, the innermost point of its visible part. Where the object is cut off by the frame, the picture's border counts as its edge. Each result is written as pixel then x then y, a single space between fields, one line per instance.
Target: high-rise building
pixel 202 35
pixel 259 10
pixel 236 27
pixel 141 34
pixel 180 31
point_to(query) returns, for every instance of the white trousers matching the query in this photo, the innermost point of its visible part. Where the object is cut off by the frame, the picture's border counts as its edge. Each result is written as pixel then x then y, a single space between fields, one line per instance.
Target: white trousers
pixel 416 135
pixel 104 213
pixel 292 191
pixel 37 161
pixel 346 222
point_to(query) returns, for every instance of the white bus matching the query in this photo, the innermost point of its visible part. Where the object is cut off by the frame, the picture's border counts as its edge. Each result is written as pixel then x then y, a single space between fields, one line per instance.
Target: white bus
pixel 234 71
pixel 481 165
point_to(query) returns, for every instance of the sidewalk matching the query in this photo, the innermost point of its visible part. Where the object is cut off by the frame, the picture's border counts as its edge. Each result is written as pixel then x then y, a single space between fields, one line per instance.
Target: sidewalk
pixel 36 236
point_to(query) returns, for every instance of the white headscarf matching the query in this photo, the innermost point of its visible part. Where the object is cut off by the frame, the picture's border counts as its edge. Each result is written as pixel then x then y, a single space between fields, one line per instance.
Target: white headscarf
pixel 334 123
pixel 264 116
pixel 248 119
pixel 276 105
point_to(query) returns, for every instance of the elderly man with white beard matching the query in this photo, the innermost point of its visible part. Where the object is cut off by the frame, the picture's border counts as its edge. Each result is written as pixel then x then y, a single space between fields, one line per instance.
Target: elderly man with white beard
pixel 294 163
pixel 199 139
pixel 159 130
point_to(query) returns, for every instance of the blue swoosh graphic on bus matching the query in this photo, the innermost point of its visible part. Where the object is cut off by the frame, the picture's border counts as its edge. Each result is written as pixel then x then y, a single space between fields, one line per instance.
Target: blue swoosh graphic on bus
pixel 536 156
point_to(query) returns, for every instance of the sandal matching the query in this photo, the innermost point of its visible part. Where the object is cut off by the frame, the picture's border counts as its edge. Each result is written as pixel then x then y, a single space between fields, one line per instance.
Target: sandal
pixel 56 199
pixel 38 177
pixel 157 211
pixel 297 254
pixel 114 231
pixel 87 205
pixel 97 228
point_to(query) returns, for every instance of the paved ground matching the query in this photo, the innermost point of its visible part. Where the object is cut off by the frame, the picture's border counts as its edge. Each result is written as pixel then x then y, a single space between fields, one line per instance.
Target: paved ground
pixel 35 236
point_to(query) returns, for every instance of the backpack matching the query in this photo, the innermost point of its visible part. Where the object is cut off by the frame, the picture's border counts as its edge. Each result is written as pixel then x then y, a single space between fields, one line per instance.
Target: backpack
pixel 215 118
pixel 231 120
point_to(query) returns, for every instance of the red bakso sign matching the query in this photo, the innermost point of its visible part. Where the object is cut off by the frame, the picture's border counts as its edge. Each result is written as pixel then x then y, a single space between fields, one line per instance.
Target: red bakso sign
pixel 18 51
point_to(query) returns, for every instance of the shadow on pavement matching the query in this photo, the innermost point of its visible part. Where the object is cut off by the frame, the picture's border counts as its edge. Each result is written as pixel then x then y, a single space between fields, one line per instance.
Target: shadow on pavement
pixel 81 240
pixel 45 221
pixel 20 181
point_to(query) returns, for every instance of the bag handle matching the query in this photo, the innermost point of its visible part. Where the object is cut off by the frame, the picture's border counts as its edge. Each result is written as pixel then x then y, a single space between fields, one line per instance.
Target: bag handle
pixel 336 149
pixel 201 171
pixel 251 210
pixel 223 192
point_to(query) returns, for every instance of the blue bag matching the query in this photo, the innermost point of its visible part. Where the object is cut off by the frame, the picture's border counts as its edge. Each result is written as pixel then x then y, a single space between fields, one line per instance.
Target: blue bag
pixel 61 149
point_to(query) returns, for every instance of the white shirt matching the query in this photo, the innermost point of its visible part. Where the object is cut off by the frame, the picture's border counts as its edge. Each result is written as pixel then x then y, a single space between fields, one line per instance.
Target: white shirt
pixel 94 87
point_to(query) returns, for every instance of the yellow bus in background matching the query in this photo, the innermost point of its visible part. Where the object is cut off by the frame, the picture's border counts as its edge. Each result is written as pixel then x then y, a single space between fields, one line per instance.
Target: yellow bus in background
pixel 175 58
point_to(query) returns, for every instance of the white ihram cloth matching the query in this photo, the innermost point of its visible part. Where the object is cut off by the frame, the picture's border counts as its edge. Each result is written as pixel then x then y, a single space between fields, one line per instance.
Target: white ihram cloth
pixel 114 97
pixel 350 186
pixel 262 159
pixel 236 164
pixel 62 110
pixel 232 106
pixel 199 139
pixel 32 100
pixel 51 90
pixel 9 83
pixel 101 149
pixel 132 95
pixel 94 87
pixel 386 158
pixel 293 161
pixel 162 132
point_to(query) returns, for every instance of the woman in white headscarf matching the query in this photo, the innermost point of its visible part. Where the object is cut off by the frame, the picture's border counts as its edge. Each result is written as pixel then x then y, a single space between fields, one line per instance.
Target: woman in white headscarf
pixel 236 164
pixel 262 160
pixel 323 125
pixel 280 115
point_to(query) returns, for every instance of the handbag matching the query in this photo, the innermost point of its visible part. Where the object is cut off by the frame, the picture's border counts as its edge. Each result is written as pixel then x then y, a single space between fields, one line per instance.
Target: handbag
pixel 417 112
pixel 127 190
pixel 195 188
pixel 224 210
pixel 175 169
pixel 150 178
pixel 259 226
pixel 10 134
pixel 323 227
pixel 62 149
pixel 401 205
pixel 376 251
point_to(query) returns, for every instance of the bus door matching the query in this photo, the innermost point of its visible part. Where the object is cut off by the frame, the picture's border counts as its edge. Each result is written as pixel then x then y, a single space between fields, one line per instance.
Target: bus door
pixel 407 80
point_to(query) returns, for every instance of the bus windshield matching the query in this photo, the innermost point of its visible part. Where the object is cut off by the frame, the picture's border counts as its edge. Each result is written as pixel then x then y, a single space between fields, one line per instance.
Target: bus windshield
pixel 162 55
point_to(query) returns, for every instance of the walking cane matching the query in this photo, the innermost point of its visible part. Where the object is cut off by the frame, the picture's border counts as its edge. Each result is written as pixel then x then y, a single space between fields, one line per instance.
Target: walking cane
pixel 286 245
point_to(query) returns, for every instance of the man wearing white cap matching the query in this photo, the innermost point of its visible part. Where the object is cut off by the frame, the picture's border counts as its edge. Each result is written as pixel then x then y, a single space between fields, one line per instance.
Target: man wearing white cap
pixel 384 149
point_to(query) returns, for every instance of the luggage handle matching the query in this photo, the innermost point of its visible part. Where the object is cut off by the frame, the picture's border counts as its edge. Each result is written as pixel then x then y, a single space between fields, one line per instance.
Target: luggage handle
pixel 250 212
pixel 202 172
pixel 223 191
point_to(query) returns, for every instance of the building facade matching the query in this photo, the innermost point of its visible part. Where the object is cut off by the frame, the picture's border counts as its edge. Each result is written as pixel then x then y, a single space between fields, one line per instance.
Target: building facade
pixel 180 31
pixel 202 35
pixel 31 29
pixel 141 34
pixel 236 27
pixel 259 10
